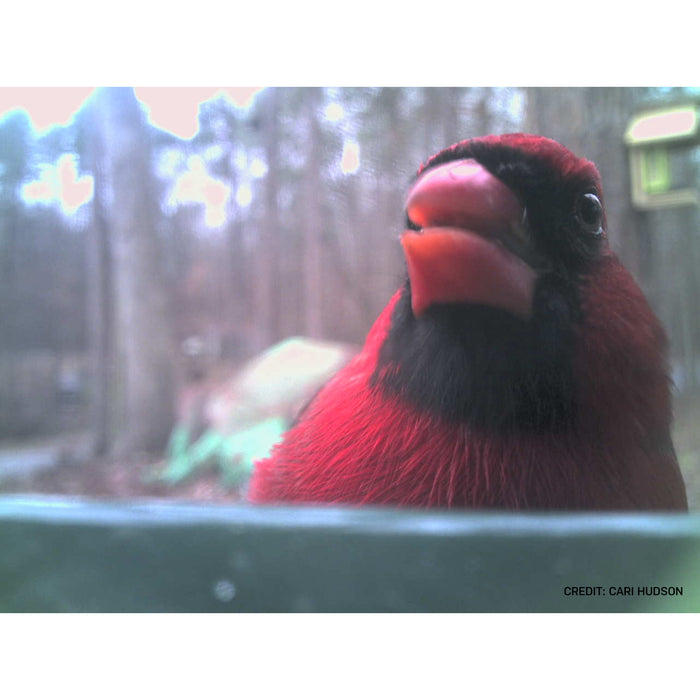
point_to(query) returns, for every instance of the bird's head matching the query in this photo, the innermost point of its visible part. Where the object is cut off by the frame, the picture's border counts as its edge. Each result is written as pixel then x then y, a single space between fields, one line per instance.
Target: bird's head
pixel 488 218
pixel 502 232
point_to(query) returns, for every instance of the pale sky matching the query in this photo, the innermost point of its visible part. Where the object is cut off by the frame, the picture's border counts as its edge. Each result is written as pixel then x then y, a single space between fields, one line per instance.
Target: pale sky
pixel 171 109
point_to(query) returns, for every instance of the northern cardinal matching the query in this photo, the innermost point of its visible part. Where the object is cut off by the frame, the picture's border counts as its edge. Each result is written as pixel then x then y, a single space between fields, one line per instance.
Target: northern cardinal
pixel 519 366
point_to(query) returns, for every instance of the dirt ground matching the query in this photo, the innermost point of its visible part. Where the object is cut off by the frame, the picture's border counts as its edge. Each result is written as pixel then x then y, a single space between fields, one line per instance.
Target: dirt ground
pixel 123 480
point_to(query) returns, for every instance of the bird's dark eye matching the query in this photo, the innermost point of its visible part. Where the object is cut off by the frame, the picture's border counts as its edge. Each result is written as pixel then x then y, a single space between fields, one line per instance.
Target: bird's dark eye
pixel 589 211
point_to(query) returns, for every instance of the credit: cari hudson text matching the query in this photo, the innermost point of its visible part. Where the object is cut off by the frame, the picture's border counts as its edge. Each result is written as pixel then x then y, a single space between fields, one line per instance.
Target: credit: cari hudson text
pixel 588 591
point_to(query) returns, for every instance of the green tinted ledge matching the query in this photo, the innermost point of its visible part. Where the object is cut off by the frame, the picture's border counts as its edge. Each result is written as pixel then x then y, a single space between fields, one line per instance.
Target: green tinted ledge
pixel 67 555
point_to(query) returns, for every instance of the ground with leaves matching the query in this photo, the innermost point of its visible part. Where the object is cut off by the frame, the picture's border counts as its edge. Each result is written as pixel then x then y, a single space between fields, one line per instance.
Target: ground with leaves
pixel 120 479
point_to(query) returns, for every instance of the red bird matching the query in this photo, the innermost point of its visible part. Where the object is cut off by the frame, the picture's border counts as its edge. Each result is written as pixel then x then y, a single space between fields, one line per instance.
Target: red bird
pixel 520 365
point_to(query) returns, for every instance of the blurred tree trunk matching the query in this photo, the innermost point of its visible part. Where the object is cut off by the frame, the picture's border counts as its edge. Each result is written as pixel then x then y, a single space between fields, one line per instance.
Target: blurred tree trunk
pixel 15 137
pixel 313 219
pixel 267 297
pixel 391 181
pixel 484 120
pixel 432 139
pixel 145 357
pixel 675 246
pixel 450 115
pixel 239 279
pixel 100 299
pixel 237 275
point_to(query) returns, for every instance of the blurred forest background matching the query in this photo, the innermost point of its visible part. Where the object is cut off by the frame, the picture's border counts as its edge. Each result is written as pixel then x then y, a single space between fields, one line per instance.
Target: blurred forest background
pixel 139 269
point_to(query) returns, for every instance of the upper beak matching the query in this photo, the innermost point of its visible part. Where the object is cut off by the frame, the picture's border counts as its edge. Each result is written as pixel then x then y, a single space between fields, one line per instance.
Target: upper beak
pixel 473 243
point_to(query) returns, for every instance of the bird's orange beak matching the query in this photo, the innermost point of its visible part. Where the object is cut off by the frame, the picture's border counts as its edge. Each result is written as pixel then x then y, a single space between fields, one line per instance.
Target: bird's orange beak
pixel 464 251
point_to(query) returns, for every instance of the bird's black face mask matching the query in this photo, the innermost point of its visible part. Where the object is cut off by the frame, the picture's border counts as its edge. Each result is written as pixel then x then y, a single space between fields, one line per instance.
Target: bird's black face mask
pixel 498 247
